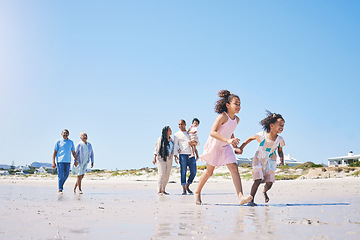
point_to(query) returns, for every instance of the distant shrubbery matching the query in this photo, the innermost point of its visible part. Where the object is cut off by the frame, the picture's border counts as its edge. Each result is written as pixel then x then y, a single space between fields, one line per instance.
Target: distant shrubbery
pixel 286 177
pixel 201 167
pixel 355 164
pixel 245 165
pixel 97 170
pixel 307 165
pixel 284 167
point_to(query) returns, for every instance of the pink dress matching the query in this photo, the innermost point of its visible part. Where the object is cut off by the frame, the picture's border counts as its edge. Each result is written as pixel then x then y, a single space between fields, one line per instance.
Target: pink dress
pixel 218 153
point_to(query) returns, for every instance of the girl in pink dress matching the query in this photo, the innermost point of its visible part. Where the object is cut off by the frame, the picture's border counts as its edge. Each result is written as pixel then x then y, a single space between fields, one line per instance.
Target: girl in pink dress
pixel 264 161
pixel 217 150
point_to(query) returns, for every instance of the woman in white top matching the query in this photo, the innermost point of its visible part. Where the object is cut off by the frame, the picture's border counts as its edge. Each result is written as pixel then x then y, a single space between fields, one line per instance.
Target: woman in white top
pixel 163 155
pixel 84 153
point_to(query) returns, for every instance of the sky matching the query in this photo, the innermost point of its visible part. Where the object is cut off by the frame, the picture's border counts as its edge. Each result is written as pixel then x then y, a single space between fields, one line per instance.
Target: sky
pixel 122 70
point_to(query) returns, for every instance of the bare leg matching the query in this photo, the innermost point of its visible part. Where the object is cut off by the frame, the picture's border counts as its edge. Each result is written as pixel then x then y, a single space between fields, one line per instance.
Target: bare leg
pixel 254 189
pixel 76 185
pixel 233 168
pixel 196 153
pixel 192 151
pixel 267 187
pixel 204 177
pixel 79 179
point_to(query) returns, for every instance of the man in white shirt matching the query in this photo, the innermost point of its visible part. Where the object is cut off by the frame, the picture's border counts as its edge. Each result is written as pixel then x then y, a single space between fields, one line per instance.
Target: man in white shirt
pixel 182 147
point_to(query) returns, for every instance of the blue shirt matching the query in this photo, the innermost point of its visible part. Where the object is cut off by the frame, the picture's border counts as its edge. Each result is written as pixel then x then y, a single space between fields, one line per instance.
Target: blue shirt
pixel 64 148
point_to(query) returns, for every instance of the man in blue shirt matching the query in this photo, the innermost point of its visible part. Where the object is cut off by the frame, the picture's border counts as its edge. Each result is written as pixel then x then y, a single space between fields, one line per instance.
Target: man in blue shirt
pixel 62 153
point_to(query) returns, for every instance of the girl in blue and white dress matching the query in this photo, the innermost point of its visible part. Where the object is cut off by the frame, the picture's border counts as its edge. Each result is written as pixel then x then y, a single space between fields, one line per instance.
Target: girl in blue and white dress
pixel 264 161
pixel 84 153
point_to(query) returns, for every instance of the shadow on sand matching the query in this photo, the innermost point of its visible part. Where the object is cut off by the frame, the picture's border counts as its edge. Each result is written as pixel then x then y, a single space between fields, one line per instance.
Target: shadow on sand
pixel 281 205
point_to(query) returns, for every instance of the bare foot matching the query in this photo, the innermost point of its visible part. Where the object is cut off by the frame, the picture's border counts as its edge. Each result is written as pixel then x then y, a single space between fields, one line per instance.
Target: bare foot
pixel 197 199
pixel 244 200
pixel 266 197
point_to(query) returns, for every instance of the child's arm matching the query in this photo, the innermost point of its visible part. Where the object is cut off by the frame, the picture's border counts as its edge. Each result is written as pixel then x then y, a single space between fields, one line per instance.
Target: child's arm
pixel 188 131
pixel 220 120
pixel 241 148
pixel 233 136
pixel 281 155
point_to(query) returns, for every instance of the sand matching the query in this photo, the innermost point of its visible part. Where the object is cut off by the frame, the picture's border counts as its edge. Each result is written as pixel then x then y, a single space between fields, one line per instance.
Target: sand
pixel 115 208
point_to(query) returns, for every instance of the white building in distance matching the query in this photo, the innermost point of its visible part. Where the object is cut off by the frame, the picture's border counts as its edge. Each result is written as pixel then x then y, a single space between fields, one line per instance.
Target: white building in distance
pixel 288 160
pixel 344 160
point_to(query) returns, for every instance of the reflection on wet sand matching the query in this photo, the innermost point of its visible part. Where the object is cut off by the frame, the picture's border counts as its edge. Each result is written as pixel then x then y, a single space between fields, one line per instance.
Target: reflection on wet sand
pixel 135 211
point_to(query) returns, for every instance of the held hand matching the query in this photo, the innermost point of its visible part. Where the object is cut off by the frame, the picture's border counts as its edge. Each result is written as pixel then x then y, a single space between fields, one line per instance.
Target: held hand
pixel 233 141
pixel 238 151
pixel 179 151
pixel 76 163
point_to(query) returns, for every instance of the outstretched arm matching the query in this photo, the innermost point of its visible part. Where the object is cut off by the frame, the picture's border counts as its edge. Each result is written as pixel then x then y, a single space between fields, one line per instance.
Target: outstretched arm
pixel 241 148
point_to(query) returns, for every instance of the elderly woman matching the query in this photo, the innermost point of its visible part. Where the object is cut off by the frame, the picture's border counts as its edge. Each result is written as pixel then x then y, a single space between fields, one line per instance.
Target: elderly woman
pixel 84 153
pixel 163 155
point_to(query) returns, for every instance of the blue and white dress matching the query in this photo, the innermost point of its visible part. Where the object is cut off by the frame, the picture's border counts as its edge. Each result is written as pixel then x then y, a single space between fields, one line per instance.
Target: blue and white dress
pixel 84 153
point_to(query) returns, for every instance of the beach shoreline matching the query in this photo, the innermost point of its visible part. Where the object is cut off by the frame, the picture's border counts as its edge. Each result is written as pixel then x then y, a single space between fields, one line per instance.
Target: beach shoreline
pixel 128 207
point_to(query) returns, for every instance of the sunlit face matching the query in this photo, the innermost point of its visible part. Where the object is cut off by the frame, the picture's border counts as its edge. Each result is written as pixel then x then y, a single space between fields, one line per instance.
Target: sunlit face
pixel 278 126
pixel 195 124
pixel 169 132
pixel 65 134
pixel 84 137
pixel 234 106
pixel 182 125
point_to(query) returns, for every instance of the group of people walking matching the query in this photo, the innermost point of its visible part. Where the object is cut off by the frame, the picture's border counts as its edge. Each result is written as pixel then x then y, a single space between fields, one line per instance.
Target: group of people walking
pixel 82 154
pixel 220 149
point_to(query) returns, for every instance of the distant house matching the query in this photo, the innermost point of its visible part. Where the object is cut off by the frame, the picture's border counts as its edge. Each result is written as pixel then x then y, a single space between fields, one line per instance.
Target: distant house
pixel 4 173
pixel 287 160
pixel 19 173
pixel 23 168
pixel 41 170
pixel 344 160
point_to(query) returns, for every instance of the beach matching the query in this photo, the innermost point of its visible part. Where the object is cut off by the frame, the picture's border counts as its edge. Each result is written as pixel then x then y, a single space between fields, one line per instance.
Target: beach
pixel 130 208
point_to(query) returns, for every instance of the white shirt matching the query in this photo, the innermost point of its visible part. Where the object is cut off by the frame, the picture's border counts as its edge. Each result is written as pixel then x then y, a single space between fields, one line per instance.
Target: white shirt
pixel 181 141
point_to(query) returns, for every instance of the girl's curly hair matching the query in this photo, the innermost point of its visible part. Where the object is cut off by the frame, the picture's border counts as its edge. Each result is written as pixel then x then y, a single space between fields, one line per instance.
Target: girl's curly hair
pixel 164 151
pixel 271 118
pixel 225 97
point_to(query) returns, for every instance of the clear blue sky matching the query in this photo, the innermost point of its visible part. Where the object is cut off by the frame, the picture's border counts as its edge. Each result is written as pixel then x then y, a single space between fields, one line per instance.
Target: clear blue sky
pixel 122 70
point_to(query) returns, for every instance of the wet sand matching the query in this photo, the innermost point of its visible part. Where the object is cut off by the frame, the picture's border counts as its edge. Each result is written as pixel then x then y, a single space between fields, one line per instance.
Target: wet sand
pixel 113 209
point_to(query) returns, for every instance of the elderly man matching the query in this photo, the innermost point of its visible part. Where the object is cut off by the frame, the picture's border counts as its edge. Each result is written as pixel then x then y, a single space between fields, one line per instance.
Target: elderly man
pixel 62 153
pixel 182 146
